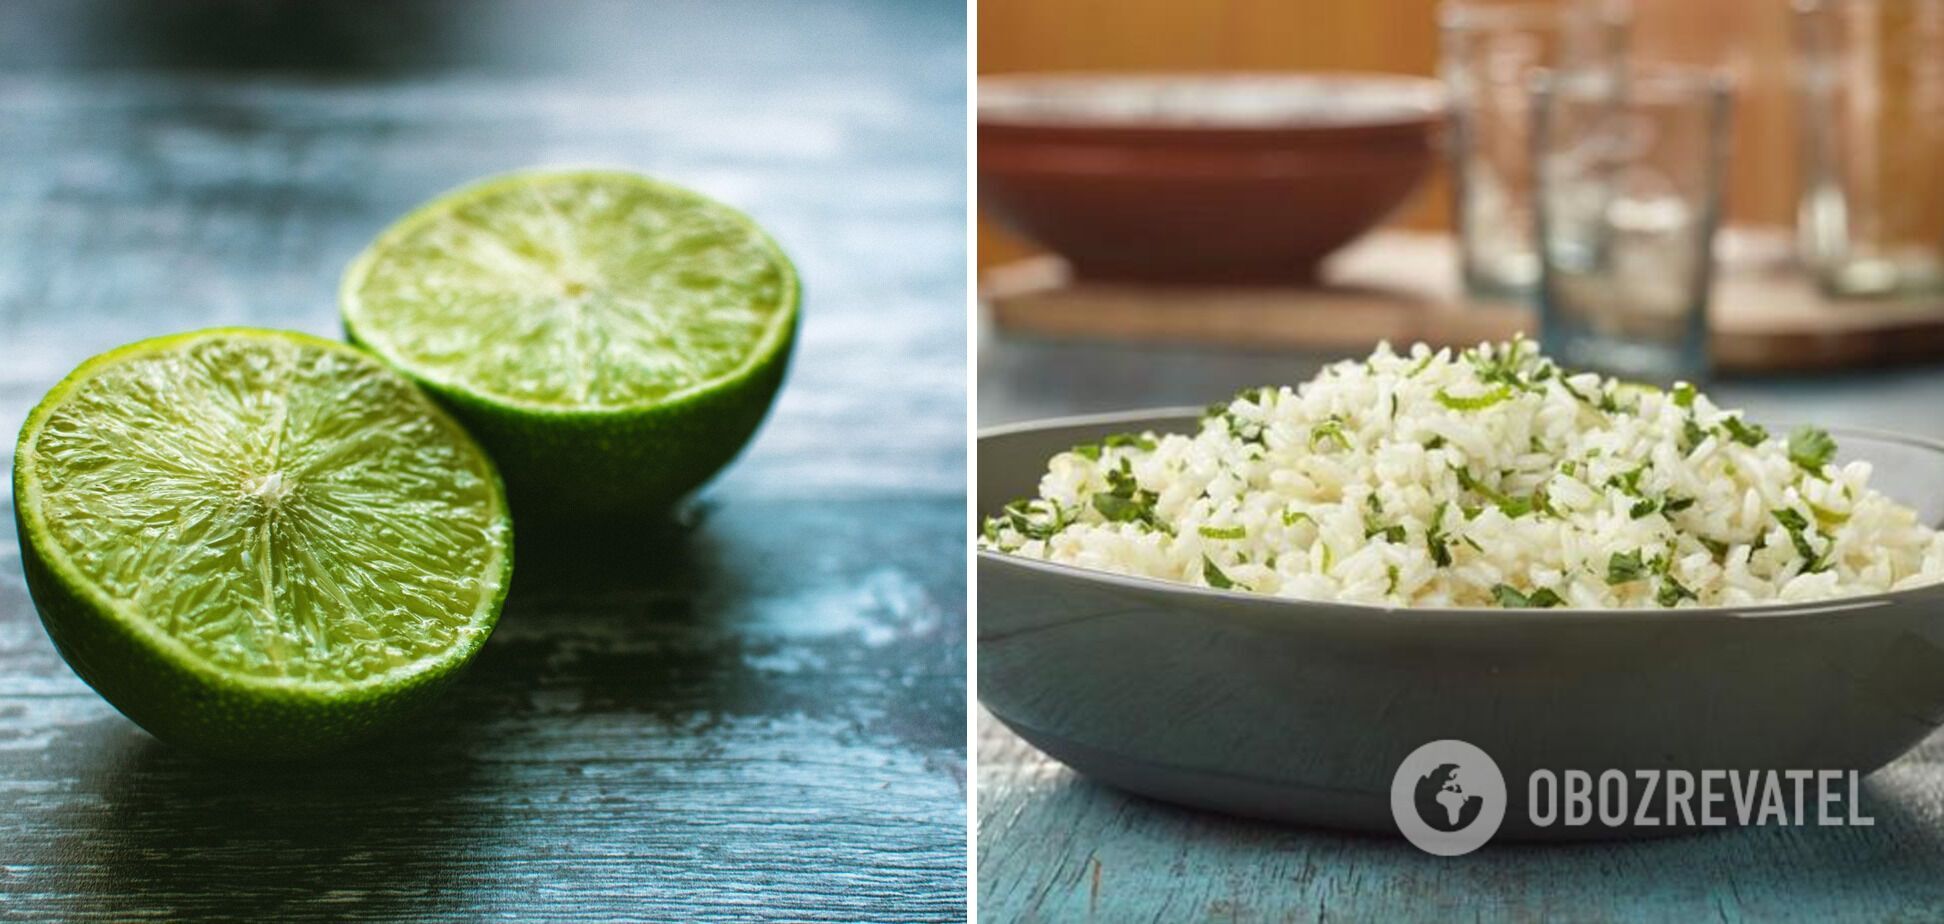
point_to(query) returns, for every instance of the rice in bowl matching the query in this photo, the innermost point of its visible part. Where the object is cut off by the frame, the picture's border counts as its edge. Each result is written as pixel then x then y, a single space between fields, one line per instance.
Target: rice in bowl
pixel 1487 478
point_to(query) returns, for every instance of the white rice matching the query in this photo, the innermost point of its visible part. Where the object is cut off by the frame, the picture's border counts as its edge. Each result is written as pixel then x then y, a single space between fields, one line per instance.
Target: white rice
pixel 1583 491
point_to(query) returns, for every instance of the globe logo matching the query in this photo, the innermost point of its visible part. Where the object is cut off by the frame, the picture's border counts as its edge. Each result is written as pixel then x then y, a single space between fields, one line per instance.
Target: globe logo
pixel 1442 801
pixel 1448 798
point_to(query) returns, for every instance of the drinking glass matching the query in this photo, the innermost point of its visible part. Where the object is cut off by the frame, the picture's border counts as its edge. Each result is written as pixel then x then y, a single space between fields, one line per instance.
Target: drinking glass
pixel 1490 52
pixel 1871 90
pixel 1630 172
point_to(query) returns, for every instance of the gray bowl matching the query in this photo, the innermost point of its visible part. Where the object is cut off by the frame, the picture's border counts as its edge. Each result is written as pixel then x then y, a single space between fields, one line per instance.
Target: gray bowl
pixel 1302 711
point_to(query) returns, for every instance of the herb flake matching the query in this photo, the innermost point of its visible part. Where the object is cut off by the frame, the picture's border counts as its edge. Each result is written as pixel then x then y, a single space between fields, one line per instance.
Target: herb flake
pixel 1214 576
pixel 1747 434
pixel 1811 449
pixel 1511 598
pixel 1434 538
pixel 1625 567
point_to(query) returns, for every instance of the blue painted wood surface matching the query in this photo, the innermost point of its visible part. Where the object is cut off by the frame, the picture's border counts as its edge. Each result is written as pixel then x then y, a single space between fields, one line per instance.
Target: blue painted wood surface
pixel 1055 847
pixel 757 711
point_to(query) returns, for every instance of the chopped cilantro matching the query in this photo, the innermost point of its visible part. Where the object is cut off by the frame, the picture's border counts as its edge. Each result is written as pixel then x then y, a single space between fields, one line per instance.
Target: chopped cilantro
pixel 1563 383
pixel 1292 517
pixel 1035 519
pixel 1135 440
pixel 1747 434
pixel 1797 526
pixel 1466 481
pixel 1624 567
pixel 1502 366
pixel 1393 533
pixel 1510 597
pixel 1668 505
pixel 1811 449
pixel 1224 532
pixel 1391 572
pixel 1214 576
pixel 1542 501
pixel 1683 395
pixel 1245 431
pixel 1512 507
pixel 1629 481
pixel 1515 507
pixel 1434 537
pixel 1692 435
pixel 1088 451
pixel 1118 509
pixel 1671 592
pixel 1126 502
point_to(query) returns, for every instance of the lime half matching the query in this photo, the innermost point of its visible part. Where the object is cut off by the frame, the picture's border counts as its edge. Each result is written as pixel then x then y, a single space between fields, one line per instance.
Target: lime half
pixel 612 340
pixel 257 543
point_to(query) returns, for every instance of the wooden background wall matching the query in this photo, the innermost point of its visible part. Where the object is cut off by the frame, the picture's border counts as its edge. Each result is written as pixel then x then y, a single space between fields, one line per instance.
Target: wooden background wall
pixel 1751 38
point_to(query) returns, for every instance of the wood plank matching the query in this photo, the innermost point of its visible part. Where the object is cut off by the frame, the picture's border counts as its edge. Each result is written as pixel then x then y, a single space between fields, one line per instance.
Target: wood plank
pixel 1402 287
pixel 1055 847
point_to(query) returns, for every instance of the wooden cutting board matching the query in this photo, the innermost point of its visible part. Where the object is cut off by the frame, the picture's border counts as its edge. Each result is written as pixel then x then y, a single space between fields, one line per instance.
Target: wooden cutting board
pixel 1765 315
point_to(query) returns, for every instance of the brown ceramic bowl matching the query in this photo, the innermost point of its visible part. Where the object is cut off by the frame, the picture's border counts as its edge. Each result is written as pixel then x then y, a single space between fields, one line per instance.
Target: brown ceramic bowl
pixel 1202 178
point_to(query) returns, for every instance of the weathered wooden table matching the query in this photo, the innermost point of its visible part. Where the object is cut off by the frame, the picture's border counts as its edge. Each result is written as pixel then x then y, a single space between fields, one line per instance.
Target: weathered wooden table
pixel 757 711
pixel 1056 847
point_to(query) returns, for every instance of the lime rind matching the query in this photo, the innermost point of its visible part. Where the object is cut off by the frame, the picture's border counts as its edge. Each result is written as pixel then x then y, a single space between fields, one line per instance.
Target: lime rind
pixel 94 619
pixel 544 295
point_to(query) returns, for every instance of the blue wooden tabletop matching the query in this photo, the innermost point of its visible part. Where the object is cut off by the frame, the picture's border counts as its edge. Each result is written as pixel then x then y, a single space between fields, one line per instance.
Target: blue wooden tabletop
pixel 756 710
pixel 1055 847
